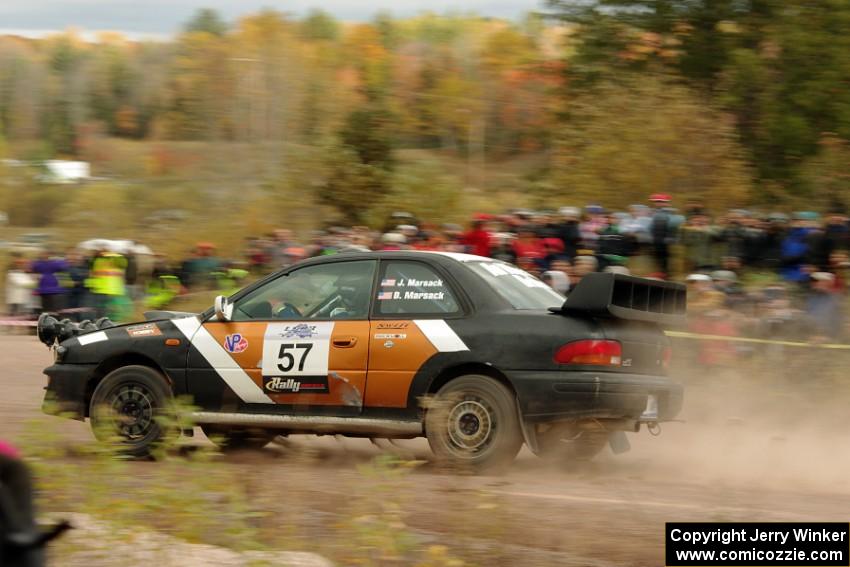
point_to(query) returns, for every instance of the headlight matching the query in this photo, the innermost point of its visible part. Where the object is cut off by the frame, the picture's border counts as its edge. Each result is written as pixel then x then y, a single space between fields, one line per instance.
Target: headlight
pixel 48 329
pixel 51 330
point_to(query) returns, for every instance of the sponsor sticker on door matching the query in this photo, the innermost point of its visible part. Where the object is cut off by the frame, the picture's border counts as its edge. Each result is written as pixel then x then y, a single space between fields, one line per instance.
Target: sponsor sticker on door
pixel 144 330
pixel 300 385
pixel 235 343
pixel 296 350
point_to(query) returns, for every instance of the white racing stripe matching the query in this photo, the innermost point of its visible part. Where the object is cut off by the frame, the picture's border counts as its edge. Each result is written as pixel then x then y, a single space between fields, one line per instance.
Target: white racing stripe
pixel 224 365
pixel 441 335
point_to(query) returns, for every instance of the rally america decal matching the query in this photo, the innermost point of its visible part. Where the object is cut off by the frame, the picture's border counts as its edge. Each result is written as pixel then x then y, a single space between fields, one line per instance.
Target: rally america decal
pixel 295 357
pixel 301 385
pixel 299 331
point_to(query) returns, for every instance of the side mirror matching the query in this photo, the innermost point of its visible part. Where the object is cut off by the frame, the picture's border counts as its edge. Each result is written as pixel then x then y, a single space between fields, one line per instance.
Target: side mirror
pixel 223 308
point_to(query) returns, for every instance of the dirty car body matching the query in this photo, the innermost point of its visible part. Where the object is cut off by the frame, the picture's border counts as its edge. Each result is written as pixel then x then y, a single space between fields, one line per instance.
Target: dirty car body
pixel 358 343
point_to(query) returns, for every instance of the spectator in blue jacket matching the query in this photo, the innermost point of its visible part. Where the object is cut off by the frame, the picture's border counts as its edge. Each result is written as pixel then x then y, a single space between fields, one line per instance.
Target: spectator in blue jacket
pixel 49 289
pixel 796 250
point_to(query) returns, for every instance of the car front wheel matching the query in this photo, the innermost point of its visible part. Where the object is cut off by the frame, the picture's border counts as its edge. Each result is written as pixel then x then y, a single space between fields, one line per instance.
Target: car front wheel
pixel 128 405
pixel 473 422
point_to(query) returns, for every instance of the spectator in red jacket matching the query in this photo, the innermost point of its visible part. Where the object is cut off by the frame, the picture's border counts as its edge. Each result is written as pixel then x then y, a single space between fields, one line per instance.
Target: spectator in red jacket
pixel 477 238
pixel 528 247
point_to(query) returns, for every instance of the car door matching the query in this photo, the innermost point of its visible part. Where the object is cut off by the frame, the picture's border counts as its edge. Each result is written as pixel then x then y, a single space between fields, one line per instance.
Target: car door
pixel 413 301
pixel 298 342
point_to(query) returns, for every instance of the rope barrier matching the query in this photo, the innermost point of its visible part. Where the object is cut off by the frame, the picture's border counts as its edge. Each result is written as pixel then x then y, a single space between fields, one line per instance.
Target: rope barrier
pixel 17 323
pixel 697 336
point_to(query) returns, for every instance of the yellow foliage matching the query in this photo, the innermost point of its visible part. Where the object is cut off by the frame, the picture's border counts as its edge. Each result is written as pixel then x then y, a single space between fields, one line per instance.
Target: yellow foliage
pixel 640 136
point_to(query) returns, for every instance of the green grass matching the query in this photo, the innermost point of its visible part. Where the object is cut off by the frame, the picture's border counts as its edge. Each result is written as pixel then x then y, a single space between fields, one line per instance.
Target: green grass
pixel 192 493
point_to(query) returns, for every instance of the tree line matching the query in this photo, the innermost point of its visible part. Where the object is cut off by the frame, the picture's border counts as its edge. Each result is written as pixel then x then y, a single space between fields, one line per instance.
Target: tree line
pixel 733 102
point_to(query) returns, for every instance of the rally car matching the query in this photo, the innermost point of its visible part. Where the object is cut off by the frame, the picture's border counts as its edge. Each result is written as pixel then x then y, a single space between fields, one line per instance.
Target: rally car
pixel 472 353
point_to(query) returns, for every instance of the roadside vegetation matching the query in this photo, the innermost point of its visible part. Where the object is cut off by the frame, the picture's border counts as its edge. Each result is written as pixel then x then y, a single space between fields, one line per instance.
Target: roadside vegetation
pixel 192 492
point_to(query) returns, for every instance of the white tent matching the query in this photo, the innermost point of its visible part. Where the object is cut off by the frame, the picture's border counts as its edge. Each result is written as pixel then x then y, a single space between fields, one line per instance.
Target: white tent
pixel 117 246
pixel 64 171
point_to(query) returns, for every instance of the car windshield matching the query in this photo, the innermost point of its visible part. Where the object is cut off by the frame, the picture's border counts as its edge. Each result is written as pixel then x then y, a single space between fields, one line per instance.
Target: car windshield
pixel 518 287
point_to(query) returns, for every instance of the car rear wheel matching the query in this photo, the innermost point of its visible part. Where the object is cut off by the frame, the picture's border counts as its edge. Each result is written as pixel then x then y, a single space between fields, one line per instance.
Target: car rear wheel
pixel 128 405
pixel 473 422
pixel 230 439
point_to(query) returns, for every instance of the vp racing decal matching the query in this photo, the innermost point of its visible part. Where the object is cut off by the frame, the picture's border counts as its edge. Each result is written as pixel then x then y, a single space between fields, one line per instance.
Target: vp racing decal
pixel 235 343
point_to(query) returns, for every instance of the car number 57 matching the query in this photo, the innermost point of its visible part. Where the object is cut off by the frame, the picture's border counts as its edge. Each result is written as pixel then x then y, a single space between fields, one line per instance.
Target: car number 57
pixel 286 359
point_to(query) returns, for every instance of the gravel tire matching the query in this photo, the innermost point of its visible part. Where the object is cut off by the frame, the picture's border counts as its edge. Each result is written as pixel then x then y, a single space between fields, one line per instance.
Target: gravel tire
pixel 128 404
pixel 473 423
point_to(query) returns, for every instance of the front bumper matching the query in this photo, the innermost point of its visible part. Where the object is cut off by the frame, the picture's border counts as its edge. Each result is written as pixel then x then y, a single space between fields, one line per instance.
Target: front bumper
pixel 548 395
pixel 66 389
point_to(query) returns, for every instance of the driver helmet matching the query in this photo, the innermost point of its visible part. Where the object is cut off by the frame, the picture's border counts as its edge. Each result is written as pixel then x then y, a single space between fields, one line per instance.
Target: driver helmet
pixel 354 291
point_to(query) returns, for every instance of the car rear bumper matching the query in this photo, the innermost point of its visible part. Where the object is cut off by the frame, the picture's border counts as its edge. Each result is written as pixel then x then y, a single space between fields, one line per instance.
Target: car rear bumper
pixel 544 396
pixel 66 389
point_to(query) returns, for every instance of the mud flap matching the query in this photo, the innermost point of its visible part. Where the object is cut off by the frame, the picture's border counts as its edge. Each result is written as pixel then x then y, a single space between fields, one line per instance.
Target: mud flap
pixel 619 442
pixel 529 433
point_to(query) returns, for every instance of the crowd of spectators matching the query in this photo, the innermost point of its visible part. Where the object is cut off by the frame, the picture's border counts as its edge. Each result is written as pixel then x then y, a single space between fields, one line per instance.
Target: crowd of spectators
pixel 99 282
pixel 763 274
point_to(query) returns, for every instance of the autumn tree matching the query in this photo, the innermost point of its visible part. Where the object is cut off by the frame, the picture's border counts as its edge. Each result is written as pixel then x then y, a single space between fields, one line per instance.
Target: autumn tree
pixel 113 83
pixel 318 25
pixel 23 85
pixel 423 188
pixel 360 163
pixel 206 20
pixel 780 68
pixel 66 105
pixel 629 139
pixel 200 88
pixel 825 175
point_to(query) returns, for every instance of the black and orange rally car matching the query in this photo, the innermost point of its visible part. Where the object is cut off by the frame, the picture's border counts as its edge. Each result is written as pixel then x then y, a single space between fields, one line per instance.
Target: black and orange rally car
pixel 474 354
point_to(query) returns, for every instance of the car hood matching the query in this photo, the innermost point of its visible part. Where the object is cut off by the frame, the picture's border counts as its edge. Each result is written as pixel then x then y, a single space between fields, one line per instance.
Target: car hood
pixel 166 315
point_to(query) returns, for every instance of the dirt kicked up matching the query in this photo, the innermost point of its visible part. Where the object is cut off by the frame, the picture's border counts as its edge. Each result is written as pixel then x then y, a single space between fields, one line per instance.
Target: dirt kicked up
pixel 752 446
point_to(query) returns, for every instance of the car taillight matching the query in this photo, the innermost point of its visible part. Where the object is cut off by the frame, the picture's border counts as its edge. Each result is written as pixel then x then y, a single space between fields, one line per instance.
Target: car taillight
pixel 593 352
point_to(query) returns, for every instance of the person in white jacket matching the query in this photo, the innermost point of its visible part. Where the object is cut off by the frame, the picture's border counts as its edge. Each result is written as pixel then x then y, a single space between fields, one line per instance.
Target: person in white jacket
pixel 19 286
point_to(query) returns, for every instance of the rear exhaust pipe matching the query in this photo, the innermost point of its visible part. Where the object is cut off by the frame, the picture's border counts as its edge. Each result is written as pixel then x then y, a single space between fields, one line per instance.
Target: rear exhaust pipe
pixel 314 424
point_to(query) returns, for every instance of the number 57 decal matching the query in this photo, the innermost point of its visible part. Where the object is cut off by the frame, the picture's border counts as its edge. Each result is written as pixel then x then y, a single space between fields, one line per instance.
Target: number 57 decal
pixel 297 349
pixel 286 360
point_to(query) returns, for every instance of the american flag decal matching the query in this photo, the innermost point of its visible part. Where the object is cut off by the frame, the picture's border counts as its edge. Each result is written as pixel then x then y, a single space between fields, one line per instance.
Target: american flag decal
pixel 387 283
pixel 385 295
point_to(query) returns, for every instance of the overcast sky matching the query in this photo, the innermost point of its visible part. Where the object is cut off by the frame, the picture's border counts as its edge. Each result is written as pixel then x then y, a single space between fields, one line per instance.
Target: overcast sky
pixel 166 16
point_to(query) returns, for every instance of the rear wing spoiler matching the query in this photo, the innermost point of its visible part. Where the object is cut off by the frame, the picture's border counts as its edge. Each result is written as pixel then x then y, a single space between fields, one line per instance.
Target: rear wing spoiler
pixel 628 297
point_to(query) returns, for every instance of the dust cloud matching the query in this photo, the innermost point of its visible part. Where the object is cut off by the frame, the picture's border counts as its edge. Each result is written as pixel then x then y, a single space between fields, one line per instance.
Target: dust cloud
pixel 756 425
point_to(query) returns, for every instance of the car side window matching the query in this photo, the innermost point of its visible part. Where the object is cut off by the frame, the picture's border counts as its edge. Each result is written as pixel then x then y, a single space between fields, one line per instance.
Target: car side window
pixel 337 290
pixel 413 288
